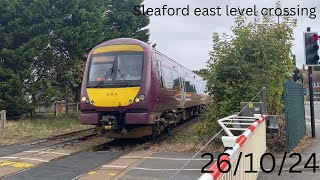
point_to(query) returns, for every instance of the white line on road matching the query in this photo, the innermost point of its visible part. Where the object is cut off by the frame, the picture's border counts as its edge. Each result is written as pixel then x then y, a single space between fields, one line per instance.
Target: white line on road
pixel 148 169
pixel 113 166
pixel 31 159
pixel 175 159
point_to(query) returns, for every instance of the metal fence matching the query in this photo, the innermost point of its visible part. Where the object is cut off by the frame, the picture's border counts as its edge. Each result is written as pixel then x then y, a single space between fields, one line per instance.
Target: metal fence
pixel 58 108
pixel 295 125
pixel 251 141
pixel 3 118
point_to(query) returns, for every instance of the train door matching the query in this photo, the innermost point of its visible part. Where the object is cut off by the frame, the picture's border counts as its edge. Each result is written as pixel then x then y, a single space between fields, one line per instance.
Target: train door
pixel 160 100
pixel 183 88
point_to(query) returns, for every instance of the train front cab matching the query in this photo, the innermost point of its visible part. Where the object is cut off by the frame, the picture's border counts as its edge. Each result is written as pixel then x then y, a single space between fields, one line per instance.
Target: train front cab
pixel 116 94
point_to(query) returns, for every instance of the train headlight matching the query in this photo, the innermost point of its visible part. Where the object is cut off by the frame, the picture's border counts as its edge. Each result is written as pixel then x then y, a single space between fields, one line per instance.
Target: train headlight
pixel 87 101
pixel 137 100
pixel 83 99
pixel 142 97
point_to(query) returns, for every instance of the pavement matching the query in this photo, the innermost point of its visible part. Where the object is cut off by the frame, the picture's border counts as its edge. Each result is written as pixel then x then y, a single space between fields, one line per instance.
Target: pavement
pixel 314 148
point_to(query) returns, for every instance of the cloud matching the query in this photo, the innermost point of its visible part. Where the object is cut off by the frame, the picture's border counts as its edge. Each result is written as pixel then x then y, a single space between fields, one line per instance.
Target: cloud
pixel 188 39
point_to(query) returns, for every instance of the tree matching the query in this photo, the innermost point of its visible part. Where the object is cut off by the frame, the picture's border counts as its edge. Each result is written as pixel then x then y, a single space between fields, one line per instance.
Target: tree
pixel 123 23
pixel 257 55
pixel 202 72
pixel 44 44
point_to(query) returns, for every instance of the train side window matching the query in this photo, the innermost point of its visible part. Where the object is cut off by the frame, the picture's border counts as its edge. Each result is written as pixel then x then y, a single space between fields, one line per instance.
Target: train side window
pixel 188 84
pixel 176 80
pixel 160 73
pixel 168 78
pixel 194 85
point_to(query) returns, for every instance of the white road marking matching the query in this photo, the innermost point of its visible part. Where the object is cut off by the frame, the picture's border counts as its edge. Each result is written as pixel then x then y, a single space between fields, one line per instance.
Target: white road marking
pixel 149 169
pixel 175 159
pixel 130 157
pixel 32 159
pixel 9 157
pixel 113 166
pixel 31 151
pixel 48 152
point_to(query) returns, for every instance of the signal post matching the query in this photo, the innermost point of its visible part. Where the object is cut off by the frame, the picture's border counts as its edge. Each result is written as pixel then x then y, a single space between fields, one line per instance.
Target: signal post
pixel 311 59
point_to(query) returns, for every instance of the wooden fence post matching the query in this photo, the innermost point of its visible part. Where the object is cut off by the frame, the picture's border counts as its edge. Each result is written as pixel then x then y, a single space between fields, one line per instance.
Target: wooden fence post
pixel 77 107
pixel 3 119
pixel 55 108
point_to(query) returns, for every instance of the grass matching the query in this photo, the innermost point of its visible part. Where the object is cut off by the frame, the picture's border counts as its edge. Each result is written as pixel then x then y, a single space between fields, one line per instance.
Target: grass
pixel 193 138
pixel 40 126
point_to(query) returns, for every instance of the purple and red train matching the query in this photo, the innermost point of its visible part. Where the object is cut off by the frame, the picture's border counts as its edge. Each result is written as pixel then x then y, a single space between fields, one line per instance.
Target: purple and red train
pixel 131 90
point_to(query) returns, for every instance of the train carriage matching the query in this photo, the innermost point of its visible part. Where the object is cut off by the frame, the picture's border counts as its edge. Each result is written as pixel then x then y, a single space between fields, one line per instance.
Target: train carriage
pixel 130 90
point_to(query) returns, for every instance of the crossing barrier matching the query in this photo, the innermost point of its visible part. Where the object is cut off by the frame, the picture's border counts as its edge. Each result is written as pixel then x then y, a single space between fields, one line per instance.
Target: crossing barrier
pixel 251 141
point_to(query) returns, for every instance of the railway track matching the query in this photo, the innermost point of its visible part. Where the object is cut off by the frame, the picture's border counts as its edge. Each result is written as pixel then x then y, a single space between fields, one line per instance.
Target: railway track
pixel 66 136
pixel 57 140
pixel 114 149
pixel 128 143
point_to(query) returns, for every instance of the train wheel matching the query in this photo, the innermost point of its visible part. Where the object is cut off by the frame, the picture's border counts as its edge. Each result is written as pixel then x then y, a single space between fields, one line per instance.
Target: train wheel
pixel 184 115
pixel 196 112
pixel 191 112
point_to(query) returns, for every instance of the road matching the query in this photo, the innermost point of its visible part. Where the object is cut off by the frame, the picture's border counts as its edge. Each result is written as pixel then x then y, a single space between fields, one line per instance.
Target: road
pixel 316 115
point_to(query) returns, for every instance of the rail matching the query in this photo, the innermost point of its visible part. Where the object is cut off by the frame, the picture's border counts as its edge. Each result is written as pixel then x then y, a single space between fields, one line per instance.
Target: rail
pixel 3 118
pixel 252 140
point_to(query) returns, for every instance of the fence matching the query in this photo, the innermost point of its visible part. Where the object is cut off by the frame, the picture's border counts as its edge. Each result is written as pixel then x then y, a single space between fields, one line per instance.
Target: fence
pixel 58 108
pixel 295 125
pixel 3 118
pixel 251 141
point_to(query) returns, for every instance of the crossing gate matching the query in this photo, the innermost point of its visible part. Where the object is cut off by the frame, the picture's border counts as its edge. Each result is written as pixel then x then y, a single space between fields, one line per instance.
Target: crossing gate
pixel 295 125
pixel 251 141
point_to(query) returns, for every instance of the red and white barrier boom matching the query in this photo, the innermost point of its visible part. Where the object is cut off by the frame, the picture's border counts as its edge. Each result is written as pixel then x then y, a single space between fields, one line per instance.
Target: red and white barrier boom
pixel 251 142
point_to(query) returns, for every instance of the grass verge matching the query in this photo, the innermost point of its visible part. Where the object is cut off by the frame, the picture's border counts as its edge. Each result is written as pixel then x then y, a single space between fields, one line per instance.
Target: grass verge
pixel 40 126
pixel 194 137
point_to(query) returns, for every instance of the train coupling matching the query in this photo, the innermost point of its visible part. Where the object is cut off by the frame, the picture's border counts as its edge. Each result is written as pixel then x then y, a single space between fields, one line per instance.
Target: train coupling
pixel 108 128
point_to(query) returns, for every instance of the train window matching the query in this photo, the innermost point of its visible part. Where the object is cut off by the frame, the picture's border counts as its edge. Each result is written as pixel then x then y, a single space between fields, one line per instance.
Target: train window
pixel 167 77
pixel 193 86
pixel 176 80
pixel 99 65
pixel 129 66
pixel 160 73
pixel 197 87
pixel 188 84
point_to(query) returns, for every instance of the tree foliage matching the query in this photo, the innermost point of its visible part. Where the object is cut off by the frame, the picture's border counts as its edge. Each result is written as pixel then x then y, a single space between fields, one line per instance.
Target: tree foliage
pixel 202 72
pixel 44 43
pixel 257 55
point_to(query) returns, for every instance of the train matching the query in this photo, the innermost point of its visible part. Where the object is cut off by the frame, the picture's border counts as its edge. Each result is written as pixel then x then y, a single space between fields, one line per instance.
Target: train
pixel 131 90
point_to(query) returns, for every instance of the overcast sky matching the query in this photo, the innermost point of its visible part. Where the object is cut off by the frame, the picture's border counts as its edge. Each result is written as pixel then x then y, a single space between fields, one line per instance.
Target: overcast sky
pixel 188 39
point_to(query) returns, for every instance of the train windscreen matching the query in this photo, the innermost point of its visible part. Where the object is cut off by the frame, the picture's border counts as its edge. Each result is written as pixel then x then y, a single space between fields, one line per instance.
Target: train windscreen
pixel 116 69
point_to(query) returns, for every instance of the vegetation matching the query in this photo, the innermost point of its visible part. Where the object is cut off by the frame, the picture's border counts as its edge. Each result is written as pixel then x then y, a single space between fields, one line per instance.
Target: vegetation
pixel 44 44
pixel 202 72
pixel 39 127
pixel 257 55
